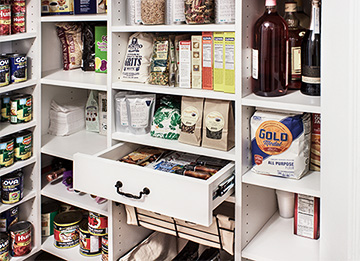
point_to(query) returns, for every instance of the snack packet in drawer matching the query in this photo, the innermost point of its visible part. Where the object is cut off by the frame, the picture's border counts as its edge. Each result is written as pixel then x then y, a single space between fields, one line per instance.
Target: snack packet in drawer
pixel 280 143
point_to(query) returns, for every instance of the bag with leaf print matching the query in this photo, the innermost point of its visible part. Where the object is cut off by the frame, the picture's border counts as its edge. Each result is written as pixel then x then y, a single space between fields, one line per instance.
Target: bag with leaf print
pixel 167 119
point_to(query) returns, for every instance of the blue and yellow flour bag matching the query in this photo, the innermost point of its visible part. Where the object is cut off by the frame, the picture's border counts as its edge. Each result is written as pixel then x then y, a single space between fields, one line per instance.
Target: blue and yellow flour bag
pixel 280 143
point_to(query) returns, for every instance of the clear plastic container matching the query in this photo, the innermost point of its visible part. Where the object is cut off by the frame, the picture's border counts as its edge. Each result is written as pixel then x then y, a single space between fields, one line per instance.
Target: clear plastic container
pixel 199 11
pixel 153 11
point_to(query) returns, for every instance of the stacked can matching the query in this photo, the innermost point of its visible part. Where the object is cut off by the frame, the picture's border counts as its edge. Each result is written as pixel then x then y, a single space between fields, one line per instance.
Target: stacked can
pixel 18 16
pixel 12 187
pixel 20 236
pixel 5 19
pixel 98 225
pixel 8 218
pixel 90 245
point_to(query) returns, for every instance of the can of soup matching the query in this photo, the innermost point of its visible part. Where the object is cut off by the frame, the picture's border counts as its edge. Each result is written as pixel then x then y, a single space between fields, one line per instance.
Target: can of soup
pixel 5 107
pixel 8 218
pixel 48 212
pixel 4 71
pixel 104 249
pixel 12 187
pixel 4 247
pixel 5 19
pixel 90 245
pixel 97 224
pixel 66 225
pixel 6 151
pixel 18 67
pixel 20 235
pixel 23 145
pixel 21 108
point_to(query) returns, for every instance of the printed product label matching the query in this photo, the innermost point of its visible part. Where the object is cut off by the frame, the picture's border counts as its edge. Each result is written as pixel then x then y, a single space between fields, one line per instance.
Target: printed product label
pixel 139 114
pixel 255 63
pixel 66 237
pixel 207 55
pixel 311 80
pixel 215 121
pixel 123 113
pixel 97 224
pixel 185 64
pixel 11 191
pixel 229 57
pixel 218 56
pixel 179 14
pixel 296 63
pixel 5 14
pixel 311 74
pixel 133 59
pixel 4 250
pixel 7 153
pixel 23 147
pixel 89 245
pixel 20 242
pixel 189 116
pixel 160 61
pixel 4 73
pixel 306 219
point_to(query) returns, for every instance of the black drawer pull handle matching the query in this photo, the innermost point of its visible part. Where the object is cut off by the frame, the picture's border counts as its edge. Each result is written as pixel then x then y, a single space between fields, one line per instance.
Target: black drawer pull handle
pixel 145 191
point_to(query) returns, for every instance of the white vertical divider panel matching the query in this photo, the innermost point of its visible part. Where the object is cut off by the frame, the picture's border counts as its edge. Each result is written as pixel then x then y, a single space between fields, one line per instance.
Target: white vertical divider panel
pixel 340 137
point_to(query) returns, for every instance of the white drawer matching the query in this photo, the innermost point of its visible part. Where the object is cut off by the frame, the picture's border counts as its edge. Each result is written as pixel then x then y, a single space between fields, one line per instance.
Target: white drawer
pixel 177 196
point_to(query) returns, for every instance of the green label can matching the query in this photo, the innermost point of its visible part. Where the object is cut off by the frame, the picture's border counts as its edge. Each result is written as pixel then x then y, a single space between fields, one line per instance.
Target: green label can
pixel 48 212
pixel 5 108
pixel 23 145
pixel 6 151
pixel 21 108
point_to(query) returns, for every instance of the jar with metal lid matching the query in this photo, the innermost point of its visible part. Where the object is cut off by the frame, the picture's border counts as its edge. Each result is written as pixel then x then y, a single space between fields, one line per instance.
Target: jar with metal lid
pixel 199 11
pixel 153 11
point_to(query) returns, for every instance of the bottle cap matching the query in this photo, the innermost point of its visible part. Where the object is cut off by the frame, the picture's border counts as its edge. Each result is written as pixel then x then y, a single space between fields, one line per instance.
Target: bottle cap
pixel 290 7
pixel 270 3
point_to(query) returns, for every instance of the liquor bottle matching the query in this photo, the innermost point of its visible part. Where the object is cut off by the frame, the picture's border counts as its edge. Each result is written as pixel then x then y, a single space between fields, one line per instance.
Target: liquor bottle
pixel 310 54
pixel 303 17
pixel 296 34
pixel 270 53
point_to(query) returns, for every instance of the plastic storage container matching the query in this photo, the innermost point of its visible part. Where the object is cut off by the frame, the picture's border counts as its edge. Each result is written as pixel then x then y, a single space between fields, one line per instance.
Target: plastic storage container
pixel 199 11
pixel 153 11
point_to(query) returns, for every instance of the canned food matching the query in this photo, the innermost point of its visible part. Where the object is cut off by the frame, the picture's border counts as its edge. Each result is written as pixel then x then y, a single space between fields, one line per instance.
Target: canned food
pixel 5 19
pixel 20 235
pixel 90 245
pixel 6 151
pixel 104 247
pixel 12 187
pixel 18 6
pixel 5 107
pixel 23 145
pixel 97 224
pixel 8 218
pixel 48 212
pixel 4 69
pixel 21 108
pixel 66 227
pixel 18 23
pixel 18 66
pixel 4 247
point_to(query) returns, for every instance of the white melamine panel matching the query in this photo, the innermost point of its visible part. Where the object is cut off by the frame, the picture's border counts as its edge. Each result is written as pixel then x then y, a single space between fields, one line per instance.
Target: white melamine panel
pixel 15 37
pixel 173 145
pixel 173 195
pixel 56 190
pixel 65 147
pixel 6 128
pixel 74 18
pixel 28 195
pixel 51 54
pixel 176 28
pixel 276 242
pixel 18 86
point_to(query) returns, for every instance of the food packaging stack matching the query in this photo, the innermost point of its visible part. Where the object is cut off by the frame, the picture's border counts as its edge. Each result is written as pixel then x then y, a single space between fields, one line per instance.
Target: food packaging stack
pixel 66 119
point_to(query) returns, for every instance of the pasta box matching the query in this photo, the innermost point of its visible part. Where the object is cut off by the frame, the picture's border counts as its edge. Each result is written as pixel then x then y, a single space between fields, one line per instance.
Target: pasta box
pixel 89 6
pixel 57 7
pixel 101 49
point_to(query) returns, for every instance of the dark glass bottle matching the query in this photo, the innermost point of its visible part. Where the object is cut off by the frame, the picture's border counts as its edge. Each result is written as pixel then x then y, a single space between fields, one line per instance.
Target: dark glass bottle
pixel 270 53
pixel 310 54
pixel 303 17
pixel 296 34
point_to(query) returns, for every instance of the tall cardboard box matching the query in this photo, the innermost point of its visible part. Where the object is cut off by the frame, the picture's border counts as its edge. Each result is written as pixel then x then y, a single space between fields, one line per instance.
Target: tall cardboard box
pixel 101 49
pixel 229 78
pixel 185 64
pixel 196 58
pixel 207 60
pixel 219 70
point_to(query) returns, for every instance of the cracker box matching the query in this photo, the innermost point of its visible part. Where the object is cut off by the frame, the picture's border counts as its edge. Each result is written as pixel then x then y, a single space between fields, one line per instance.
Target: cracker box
pixel 307 216
pixel 89 6
pixel 185 64
pixel 196 53
pixel 229 50
pixel 219 69
pixel 57 7
pixel 101 49
pixel 207 60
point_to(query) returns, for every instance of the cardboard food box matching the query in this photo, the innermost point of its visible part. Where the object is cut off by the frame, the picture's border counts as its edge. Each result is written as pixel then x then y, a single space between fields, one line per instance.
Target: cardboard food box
pixel 185 64
pixel 57 7
pixel 207 60
pixel 101 49
pixel 219 70
pixel 307 216
pixel 196 75
pixel 90 6
pixel 229 54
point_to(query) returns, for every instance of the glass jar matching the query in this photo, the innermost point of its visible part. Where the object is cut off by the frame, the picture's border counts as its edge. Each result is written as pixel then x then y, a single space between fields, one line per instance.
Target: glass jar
pixel 153 11
pixel 199 11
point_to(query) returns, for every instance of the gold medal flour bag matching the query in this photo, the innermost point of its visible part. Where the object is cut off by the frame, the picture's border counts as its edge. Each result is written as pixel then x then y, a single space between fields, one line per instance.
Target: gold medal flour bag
pixel 280 143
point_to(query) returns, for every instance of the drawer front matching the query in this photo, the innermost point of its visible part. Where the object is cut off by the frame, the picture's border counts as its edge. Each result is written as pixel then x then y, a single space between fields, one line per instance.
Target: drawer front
pixel 173 195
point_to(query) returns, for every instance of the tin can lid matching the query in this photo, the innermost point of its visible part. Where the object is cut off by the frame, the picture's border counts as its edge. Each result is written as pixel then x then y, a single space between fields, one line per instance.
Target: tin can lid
pixel 14 55
pixel 15 174
pixel 4 236
pixel 84 226
pixel 49 207
pixel 20 96
pixel 23 133
pixel 68 217
pixel 19 226
pixel 6 139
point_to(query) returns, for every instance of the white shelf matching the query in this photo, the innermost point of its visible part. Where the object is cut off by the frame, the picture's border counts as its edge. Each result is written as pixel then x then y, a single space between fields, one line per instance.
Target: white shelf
pixel 15 37
pixel 26 257
pixel 74 18
pixel 173 90
pixel 67 254
pixel 28 194
pixel 56 190
pixel 276 242
pixel 231 198
pixel 7 128
pixel 175 28
pixel 18 86
pixel 173 145
pixel 308 185
pixel 17 165
pixel 65 147
pixel 76 79
pixel 292 101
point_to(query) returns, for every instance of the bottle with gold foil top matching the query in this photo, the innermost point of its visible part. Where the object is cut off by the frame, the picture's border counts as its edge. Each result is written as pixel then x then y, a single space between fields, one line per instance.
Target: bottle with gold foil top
pixel 296 34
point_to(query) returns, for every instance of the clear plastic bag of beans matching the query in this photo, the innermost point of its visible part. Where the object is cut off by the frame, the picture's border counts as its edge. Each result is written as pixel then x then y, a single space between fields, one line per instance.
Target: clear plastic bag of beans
pixel 199 11
pixel 153 11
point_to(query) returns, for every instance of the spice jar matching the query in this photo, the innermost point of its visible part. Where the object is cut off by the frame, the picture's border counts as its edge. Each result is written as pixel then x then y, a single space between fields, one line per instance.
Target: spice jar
pixel 199 11
pixel 153 11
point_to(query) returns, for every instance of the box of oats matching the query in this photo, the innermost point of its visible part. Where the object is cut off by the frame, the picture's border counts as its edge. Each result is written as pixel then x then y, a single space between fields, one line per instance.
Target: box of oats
pixel 280 144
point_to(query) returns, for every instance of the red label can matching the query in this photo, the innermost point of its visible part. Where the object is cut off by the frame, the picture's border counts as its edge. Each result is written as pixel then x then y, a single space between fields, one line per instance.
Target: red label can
pixel 20 234
pixel 18 6
pixel 97 224
pixel 18 23
pixel 5 19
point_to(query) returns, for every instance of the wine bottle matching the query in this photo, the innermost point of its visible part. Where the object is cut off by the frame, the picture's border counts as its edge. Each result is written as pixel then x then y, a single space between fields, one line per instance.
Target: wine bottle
pixel 270 53
pixel 303 17
pixel 310 54
pixel 296 34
